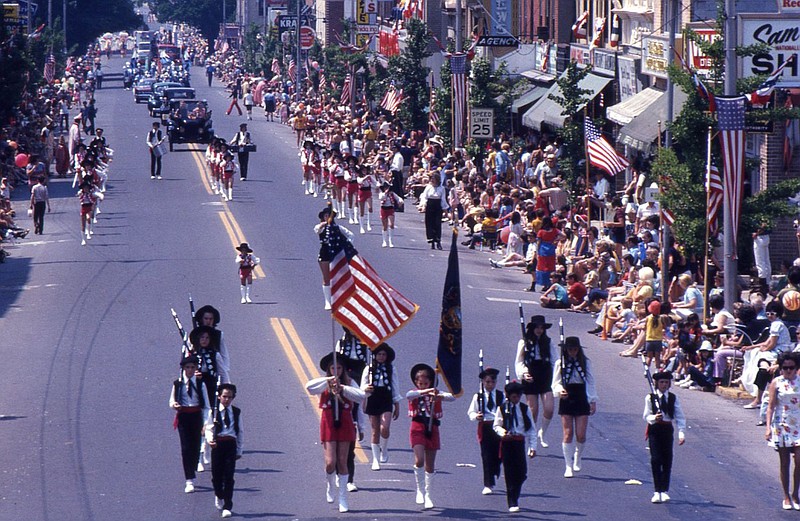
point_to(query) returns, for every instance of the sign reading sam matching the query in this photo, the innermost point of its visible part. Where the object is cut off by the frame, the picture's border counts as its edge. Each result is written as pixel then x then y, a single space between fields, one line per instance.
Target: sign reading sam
pixel 782 34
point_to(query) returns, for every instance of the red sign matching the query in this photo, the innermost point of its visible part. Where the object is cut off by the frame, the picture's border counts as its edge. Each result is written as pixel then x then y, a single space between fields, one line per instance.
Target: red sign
pixel 388 44
pixel 307 37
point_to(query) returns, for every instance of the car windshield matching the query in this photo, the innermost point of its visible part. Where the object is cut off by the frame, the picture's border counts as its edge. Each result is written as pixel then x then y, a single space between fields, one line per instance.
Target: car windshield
pixel 189 109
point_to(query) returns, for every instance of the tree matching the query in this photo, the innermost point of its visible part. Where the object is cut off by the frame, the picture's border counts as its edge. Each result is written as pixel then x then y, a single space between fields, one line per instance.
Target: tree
pixel 486 87
pixel 572 99
pixel 409 74
pixel 88 19
pixel 206 15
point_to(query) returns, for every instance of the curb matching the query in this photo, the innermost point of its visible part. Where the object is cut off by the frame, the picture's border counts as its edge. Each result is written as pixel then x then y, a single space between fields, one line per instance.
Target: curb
pixel 732 393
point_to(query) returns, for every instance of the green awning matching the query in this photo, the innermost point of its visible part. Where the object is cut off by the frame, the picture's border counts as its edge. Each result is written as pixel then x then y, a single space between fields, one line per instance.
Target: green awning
pixel 643 130
pixel 548 111
pixel 528 99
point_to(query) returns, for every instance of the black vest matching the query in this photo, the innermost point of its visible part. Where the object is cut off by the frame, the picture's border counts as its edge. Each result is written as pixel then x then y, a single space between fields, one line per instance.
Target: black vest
pixel 218 421
pixel 530 349
pixel 506 412
pixel 180 388
pixel 669 409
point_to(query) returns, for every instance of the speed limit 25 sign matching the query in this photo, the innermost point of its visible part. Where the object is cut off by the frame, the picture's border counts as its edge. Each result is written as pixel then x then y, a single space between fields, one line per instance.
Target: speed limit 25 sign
pixel 481 123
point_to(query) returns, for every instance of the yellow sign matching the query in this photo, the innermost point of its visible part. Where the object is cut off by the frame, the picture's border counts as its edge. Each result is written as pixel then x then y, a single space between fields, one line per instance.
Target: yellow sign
pixel 362 39
pixel 11 12
pixel 362 16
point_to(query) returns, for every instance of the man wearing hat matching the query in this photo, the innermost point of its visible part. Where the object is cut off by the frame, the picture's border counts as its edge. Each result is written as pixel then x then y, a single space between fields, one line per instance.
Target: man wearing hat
pixel 247 263
pixel 483 409
pixel 515 426
pixel 74 136
pixel 153 139
pixel 661 409
pixel 240 139
pixel 190 401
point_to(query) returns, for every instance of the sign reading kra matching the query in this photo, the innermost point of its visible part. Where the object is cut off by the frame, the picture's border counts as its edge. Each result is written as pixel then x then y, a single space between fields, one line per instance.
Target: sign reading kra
pixel 481 123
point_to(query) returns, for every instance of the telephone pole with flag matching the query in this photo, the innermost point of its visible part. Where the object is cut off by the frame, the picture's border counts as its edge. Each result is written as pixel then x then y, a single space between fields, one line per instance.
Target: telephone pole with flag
pixel 448 353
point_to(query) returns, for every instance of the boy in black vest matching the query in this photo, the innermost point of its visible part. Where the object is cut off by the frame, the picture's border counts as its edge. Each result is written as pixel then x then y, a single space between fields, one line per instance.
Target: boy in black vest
pixel 483 410
pixel 515 426
pixel 224 435
pixel 660 410
pixel 188 399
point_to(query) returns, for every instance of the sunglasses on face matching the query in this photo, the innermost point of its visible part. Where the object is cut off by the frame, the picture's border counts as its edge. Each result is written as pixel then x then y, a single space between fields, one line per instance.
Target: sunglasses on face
pixel 788 367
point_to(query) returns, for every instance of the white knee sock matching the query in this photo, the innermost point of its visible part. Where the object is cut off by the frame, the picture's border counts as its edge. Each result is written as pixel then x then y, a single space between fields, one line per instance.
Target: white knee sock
pixel 576 463
pixel 243 291
pixel 390 232
pixel 384 450
pixel 569 453
pixel 326 292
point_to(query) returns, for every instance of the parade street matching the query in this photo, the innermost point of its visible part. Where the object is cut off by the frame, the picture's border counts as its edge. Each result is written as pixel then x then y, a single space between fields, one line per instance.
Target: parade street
pixel 91 353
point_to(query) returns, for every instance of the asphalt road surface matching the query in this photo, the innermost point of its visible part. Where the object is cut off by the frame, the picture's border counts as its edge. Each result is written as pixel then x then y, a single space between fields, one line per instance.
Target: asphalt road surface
pixel 90 352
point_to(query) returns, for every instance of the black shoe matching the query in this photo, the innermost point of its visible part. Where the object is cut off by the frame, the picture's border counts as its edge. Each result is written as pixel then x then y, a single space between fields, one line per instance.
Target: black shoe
pixel 433 246
pixel 438 245
pixel 596 330
pixel 531 289
pixel 466 243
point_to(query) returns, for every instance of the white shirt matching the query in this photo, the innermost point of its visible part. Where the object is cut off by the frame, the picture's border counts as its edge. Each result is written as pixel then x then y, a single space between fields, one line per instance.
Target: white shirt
pixel 229 431
pixel 650 416
pixel 434 192
pixel 518 426
pixel 489 414
pixel 575 378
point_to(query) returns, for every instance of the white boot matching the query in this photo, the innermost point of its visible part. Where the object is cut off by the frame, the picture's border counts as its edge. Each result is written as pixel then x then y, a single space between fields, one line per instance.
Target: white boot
pixel 390 233
pixel 230 194
pixel 428 489
pixel 384 450
pixel 383 236
pixel 369 225
pixel 205 452
pixel 330 486
pixel 326 292
pixel 569 451
pixel 243 291
pixel 419 475
pixel 355 214
pixel 247 294
pixel 576 463
pixel 343 494
pixel 376 456
pixel 543 432
pixel 305 187
pixel 215 186
pixel 361 227
pixel 311 187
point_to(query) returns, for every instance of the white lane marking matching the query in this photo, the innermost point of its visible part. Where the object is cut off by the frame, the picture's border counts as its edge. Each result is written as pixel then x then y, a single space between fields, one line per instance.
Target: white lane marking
pixel 510 300
pixel 213 203
pixel 40 243
pixel 479 288
pixel 27 287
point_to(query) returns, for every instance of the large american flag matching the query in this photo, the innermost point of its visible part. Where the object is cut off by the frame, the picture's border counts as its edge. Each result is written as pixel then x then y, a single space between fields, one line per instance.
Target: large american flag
pixel 762 95
pixel 362 301
pixel 276 67
pixel 50 68
pixel 433 117
pixel 392 99
pixel 345 99
pixel 730 120
pixel 601 153
pixel 292 70
pixel 715 194
pixel 459 66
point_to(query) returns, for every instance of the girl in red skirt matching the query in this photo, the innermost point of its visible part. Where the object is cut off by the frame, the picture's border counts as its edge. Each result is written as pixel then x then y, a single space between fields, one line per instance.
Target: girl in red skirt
pixel 425 410
pixel 336 434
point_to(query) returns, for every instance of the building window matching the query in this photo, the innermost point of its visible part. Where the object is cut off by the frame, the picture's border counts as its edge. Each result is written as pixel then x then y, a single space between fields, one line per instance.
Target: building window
pixel 261 7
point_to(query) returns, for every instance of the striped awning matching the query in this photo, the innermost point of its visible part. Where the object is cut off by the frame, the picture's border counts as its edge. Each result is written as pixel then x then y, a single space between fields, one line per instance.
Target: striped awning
pixel 623 113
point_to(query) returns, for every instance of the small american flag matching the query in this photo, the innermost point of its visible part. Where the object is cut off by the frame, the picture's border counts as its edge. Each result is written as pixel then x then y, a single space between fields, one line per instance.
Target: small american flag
pixel 433 117
pixel 276 67
pixel 601 153
pixel 292 70
pixel 730 119
pixel 392 99
pixel 715 194
pixel 50 68
pixel 345 99
pixel 762 95
pixel 323 81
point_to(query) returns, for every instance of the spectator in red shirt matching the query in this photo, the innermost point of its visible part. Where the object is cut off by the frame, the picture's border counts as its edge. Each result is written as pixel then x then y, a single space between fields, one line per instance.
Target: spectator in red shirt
pixel 576 291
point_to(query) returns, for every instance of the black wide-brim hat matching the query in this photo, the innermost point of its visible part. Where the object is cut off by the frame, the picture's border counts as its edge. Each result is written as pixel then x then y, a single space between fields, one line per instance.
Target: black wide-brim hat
pixel 662 375
pixel 194 335
pixel 327 360
pixel 539 320
pixel 191 359
pixel 198 315
pixel 514 388
pixel 423 367
pixel 572 341
pixel 489 371
pixel 325 212
pixel 244 248
pixel 386 348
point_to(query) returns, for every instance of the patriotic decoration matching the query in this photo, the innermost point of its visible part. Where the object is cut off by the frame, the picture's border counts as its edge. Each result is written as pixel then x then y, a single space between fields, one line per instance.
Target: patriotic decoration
pixel 345 99
pixel 616 32
pixel 791 137
pixel 433 117
pixel 702 90
pixel 362 301
pixel 392 99
pixel 323 81
pixel 546 57
pixel 50 68
pixel 601 154
pixel 715 194
pixel 459 66
pixel 764 92
pixel 579 27
pixel 276 67
pixel 292 70
pixel 667 217
pixel 449 350
pixel 730 120
pixel 37 33
pixel 599 28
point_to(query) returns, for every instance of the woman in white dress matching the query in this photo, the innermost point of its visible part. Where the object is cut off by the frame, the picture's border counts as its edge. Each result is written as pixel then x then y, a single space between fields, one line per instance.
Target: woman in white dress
pixel 783 424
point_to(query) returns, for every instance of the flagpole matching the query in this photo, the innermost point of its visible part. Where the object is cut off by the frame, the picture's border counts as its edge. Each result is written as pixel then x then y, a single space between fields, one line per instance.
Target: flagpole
pixel 708 225
pixel 730 264
pixel 586 159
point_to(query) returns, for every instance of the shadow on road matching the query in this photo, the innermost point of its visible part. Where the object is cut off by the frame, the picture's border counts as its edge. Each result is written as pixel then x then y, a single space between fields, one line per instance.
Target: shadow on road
pixel 15 274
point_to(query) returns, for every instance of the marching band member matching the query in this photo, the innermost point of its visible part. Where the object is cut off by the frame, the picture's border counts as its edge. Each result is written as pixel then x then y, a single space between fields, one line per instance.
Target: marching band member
pixel 484 410
pixel 379 383
pixel 356 352
pixel 536 356
pixel 228 167
pixel 388 200
pixel 224 434
pixel 240 139
pixel 330 237
pixel 247 263
pixel 212 365
pixel 87 199
pixel 660 432
pixel 188 399
pixel 365 183
pixel 339 182
pixel 337 395
pixel 425 410
pixel 351 173
pixel 307 161
pixel 573 381
pixel 514 424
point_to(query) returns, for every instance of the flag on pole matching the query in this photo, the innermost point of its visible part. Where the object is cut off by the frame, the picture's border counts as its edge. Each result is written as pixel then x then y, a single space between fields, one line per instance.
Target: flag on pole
pixel 276 67
pixel 448 353
pixel 702 90
pixel 546 57
pixel 579 27
pixel 392 99
pixel 667 217
pixel 599 28
pixel 730 120
pixel 345 99
pixel 433 117
pixel 459 66
pixel 323 81
pixel 601 153
pixel 616 32
pixel 50 68
pixel 362 301
pixel 791 137
pixel 762 95
pixel 292 70
pixel 715 195
pixel 37 33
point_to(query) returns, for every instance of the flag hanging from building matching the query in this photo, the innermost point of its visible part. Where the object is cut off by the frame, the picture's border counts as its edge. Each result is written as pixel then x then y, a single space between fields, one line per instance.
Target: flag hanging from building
pixel 715 195
pixel 599 29
pixel 764 92
pixel 730 120
pixel 433 116
pixel 276 67
pixel 50 68
pixel 292 70
pixel 616 32
pixel 345 99
pixel 791 137
pixel 702 90
pixel 448 353
pixel 392 99
pixel 579 27
pixel 546 57
pixel 601 153
pixel 323 81
pixel 459 67
pixel 362 301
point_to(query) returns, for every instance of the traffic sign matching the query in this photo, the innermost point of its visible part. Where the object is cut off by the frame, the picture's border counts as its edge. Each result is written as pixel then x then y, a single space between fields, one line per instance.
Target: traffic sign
pixel 307 37
pixel 481 123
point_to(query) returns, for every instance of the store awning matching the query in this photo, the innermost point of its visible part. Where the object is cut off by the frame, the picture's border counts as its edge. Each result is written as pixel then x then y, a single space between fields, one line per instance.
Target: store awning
pixel 537 75
pixel 548 111
pixel 623 113
pixel 643 130
pixel 527 99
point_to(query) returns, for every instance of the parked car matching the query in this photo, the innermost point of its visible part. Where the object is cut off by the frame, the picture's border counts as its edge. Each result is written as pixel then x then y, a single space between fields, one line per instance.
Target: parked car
pixel 189 121
pixel 142 89
pixel 155 100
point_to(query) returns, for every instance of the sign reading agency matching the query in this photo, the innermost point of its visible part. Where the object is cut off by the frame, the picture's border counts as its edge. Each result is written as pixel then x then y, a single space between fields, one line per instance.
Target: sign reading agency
pixel 497 41
pixel 481 123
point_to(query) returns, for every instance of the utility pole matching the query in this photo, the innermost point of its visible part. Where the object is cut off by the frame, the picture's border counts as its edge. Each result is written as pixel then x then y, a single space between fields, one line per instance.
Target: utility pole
pixel 672 27
pixel 64 22
pixel 731 72
pixel 298 68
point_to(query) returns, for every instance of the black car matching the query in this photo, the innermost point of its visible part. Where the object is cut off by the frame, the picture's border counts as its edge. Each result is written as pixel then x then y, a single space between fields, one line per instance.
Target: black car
pixel 155 101
pixel 170 95
pixel 189 121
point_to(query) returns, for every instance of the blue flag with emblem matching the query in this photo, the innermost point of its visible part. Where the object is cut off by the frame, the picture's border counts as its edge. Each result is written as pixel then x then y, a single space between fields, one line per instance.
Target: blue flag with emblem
pixel 448 354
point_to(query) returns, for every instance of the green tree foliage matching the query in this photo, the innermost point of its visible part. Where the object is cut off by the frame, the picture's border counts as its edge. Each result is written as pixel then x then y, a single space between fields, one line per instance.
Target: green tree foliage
pixel 410 75
pixel 15 65
pixel 88 19
pixel 206 15
pixel 572 99
pixel 487 87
